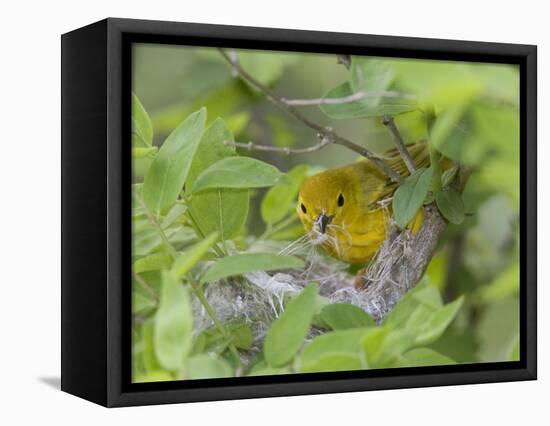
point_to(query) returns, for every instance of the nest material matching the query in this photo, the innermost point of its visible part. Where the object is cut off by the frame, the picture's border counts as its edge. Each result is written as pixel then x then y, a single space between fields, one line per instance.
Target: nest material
pixel 397 267
pixel 400 264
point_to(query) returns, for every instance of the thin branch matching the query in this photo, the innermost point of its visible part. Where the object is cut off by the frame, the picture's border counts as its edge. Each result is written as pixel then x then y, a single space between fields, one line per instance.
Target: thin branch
pixel 398 140
pixel 146 286
pixel 345 60
pixel 325 132
pixel 196 289
pixel 285 150
pixel 357 96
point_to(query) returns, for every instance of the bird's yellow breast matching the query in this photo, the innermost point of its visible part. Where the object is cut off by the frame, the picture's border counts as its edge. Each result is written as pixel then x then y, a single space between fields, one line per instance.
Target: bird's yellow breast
pixel 350 200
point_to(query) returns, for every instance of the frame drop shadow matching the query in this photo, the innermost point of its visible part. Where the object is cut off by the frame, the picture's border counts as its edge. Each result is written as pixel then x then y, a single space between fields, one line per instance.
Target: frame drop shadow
pixel 54 382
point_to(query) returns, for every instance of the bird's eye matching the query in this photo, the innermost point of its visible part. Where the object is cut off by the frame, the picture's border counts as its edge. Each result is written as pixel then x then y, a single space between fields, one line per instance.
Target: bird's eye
pixel 340 200
pixel 303 208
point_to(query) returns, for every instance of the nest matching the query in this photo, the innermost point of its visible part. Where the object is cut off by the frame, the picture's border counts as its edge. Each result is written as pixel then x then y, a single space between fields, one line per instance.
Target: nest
pixel 259 299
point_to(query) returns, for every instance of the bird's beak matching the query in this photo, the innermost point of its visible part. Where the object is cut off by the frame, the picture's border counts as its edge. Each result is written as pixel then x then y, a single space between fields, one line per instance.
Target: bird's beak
pixel 322 221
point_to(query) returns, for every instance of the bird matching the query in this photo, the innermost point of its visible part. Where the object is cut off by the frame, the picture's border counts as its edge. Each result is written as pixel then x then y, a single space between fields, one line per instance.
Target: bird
pixel 347 210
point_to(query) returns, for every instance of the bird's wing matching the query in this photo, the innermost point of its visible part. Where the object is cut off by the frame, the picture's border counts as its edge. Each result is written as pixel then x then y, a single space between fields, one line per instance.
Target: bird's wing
pixel 378 186
pixel 419 153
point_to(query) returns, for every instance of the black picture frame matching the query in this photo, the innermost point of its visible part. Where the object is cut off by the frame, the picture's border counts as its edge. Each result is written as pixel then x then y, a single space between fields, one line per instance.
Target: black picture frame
pixel 96 84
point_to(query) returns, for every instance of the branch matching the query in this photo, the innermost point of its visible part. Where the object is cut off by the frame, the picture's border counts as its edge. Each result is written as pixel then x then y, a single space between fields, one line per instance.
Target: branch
pixel 285 150
pixel 398 140
pixel 357 96
pixel 324 132
pixel 403 258
pixel 345 60
pixel 145 286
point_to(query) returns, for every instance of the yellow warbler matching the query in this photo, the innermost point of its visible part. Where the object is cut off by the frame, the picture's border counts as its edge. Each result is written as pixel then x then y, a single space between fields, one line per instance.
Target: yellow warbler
pixel 344 209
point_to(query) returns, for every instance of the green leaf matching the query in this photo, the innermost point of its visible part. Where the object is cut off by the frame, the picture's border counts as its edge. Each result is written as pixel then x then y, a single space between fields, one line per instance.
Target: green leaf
pixel 207 366
pixel 364 108
pixel 216 210
pixel 450 204
pixel 448 176
pixel 334 361
pixel 383 346
pixel 439 83
pixel 287 334
pixel 341 341
pixel 371 344
pixel 154 376
pixel 150 360
pixel 459 344
pixel 173 332
pixel 168 171
pixel 372 77
pixel 498 330
pixel 175 213
pixel 186 260
pixel 429 296
pixel 237 172
pixel 421 357
pixel 400 313
pixel 212 341
pixel 452 135
pixel 153 262
pixel 437 322
pixel 498 129
pixel 141 152
pixel 341 316
pixel 395 343
pixel 262 369
pixel 278 200
pixel 418 319
pixel 506 284
pixel 241 334
pixel 410 196
pixel 141 303
pixel 142 129
pixel 249 262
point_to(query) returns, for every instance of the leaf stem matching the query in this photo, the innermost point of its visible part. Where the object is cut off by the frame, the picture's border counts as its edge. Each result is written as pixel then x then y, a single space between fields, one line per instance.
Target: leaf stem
pixel 435 156
pixel 173 252
pixel 139 279
pixel 197 290
pixel 198 230
pixel 194 286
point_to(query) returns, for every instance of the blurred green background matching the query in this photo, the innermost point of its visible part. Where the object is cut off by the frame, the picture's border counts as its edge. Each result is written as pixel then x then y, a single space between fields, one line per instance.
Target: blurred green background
pixel 477 106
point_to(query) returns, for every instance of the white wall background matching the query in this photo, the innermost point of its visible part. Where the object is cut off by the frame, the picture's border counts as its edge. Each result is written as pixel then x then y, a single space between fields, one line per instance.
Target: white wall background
pixel 30 211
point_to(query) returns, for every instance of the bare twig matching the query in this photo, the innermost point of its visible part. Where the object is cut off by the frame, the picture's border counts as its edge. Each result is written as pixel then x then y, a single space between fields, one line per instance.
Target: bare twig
pixel 285 150
pixel 325 132
pixel 357 96
pixel 398 140
pixel 345 60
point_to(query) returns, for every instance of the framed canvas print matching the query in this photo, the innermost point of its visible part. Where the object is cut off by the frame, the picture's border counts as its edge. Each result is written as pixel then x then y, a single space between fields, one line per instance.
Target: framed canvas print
pixel 252 212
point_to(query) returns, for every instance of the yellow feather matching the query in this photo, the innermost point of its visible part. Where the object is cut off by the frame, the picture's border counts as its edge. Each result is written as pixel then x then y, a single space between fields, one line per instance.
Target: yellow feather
pixel 350 198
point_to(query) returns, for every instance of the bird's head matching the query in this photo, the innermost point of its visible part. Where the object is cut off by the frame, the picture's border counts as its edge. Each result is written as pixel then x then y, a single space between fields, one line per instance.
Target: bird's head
pixel 325 200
